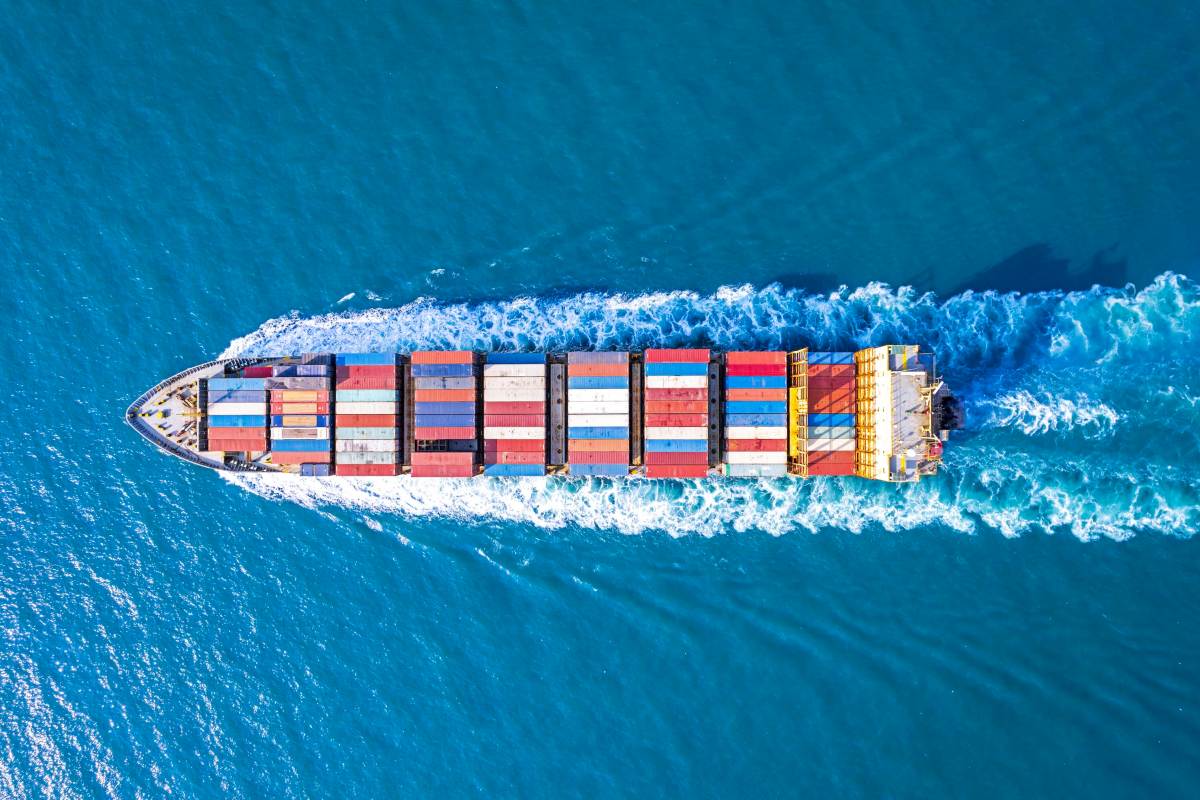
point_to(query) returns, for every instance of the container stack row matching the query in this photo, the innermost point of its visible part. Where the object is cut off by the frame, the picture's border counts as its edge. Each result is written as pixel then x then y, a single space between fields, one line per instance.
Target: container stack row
pixel 367 402
pixel 598 414
pixel 831 413
pixel 237 415
pixel 676 413
pixel 514 414
pixel 755 414
pixel 445 385
pixel 299 396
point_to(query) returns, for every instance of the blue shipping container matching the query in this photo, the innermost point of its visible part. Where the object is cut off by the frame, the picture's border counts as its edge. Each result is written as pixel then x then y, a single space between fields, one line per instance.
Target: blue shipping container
pixel 365 359
pixel 237 383
pixel 300 445
pixel 756 382
pixel 322 421
pixel 820 358
pixel 841 358
pixel 592 357
pixel 599 470
pixel 826 420
pixel 444 408
pixel 514 470
pixel 366 395
pixel 443 383
pixel 315 470
pixel 598 433
pixel 444 420
pixel 599 382
pixel 443 370
pixel 676 445
pixel 756 420
pixel 516 358
pixel 238 421
pixel 755 407
pixel 237 396
pixel 676 368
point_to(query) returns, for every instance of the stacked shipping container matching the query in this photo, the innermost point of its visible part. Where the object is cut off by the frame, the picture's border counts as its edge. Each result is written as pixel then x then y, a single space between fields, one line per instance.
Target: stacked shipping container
pixel 755 414
pixel 676 413
pixel 367 403
pixel 514 414
pixel 444 418
pixel 598 414
pixel 831 413
pixel 237 415
pixel 299 395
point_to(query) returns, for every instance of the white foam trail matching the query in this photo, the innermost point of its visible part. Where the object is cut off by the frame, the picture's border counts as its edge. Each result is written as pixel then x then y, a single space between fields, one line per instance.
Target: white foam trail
pixel 1004 351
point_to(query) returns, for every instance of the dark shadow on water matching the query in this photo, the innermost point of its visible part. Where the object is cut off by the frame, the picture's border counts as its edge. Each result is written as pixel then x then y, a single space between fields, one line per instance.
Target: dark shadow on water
pixel 1036 268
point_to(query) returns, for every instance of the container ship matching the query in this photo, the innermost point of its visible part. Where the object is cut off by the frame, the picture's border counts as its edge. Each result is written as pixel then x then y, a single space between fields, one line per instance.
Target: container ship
pixel 880 413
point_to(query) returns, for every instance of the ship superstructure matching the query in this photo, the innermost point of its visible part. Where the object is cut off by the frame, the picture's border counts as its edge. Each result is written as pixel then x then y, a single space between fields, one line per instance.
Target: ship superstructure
pixel 881 413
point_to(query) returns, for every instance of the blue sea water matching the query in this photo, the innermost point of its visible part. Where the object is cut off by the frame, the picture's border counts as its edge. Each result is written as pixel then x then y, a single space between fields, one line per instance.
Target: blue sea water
pixel 1015 186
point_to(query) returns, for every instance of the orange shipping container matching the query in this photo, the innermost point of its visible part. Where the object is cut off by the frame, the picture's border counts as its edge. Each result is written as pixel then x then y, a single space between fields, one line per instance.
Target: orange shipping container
pixel 756 394
pixel 444 395
pixel 597 445
pixel 366 383
pixel 366 420
pixel 297 457
pixel 598 370
pixel 442 357
pixel 677 407
pixel 299 395
pixel 755 445
pixel 676 420
pixel 299 408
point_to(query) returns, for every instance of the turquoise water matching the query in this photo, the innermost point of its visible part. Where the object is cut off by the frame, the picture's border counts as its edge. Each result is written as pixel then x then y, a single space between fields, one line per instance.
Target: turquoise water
pixel 178 184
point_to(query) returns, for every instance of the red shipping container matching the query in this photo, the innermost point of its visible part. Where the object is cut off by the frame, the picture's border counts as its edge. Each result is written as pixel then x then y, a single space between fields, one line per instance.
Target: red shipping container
pixel 444 395
pixel 756 357
pixel 676 394
pixel 444 471
pixel 831 383
pixel 755 370
pixel 756 445
pixel 689 356
pixel 366 383
pixel 597 370
pixel 442 357
pixel 433 434
pixel 237 445
pixel 599 457
pixel 842 370
pixel 367 371
pixel 514 407
pixel 597 446
pixel 256 372
pixel 676 407
pixel 513 457
pixel 662 459
pixel 831 407
pixel 237 433
pixel 297 457
pixel 366 469
pixel 366 420
pixel 676 471
pixel 514 445
pixel 426 459
pixel 514 421
pixel 676 420
pixel 839 456
pixel 279 409
pixel 820 371
pixel 756 394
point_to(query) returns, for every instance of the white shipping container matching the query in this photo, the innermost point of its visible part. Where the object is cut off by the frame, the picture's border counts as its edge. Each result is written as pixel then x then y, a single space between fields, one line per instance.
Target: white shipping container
pixel 513 395
pixel 676 381
pixel 367 408
pixel 299 433
pixel 514 383
pixel 368 458
pixel 366 445
pixel 831 445
pixel 677 433
pixel 598 420
pixel 597 396
pixel 223 409
pixel 751 457
pixel 749 432
pixel 514 433
pixel 598 408
pixel 514 370
pixel 367 433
